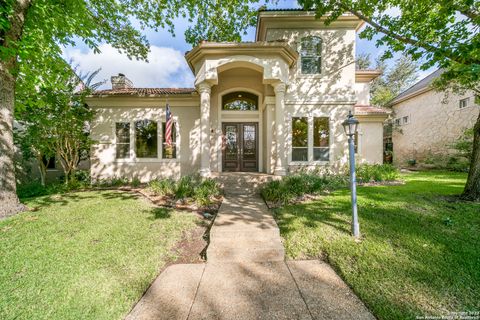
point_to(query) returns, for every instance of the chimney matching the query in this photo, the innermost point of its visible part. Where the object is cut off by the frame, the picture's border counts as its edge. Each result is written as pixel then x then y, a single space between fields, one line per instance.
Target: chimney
pixel 121 82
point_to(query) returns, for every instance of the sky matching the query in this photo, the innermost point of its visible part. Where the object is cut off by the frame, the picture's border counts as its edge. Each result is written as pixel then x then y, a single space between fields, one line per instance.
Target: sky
pixel 166 66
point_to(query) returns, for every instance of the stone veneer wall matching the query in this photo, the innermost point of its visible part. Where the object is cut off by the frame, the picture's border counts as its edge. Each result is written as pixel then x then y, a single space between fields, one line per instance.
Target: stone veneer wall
pixel 433 127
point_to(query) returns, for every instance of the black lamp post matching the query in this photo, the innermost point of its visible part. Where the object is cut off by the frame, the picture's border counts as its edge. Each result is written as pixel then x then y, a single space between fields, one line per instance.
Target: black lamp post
pixel 350 126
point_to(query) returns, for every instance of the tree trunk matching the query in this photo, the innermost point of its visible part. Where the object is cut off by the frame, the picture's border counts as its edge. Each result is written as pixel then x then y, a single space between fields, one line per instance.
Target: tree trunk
pixel 42 168
pixel 472 188
pixel 9 203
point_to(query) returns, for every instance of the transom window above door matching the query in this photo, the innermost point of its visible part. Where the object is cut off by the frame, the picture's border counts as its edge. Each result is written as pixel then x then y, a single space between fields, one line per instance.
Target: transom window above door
pixel 240 101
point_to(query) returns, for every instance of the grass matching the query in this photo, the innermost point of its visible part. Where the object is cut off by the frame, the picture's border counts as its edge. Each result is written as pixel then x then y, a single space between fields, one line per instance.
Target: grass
pixel 85 255
pixel 420 253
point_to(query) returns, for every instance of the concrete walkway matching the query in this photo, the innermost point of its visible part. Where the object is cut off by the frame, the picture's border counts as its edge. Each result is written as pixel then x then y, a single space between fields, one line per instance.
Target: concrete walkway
pixel 246 277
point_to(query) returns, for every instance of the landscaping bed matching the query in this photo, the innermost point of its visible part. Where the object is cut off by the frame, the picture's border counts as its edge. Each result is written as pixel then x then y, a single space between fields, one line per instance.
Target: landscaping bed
pixel 90 255
pixel 419 250
pixel 305 186
pixel 193 193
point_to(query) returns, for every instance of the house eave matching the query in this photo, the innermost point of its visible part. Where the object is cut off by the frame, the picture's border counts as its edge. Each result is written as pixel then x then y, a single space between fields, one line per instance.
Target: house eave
pixel 297 19
pixel 394 102
pixel 366 75
pixel 241 48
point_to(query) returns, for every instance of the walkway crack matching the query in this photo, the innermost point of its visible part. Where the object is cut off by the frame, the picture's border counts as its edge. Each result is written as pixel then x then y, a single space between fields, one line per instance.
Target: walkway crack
pixel 300 291
pixel 196 291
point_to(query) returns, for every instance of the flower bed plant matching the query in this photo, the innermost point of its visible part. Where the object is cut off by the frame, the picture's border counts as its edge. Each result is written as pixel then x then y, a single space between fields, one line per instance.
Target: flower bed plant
pixel 297 187
pixel 189 192
pixel 376 173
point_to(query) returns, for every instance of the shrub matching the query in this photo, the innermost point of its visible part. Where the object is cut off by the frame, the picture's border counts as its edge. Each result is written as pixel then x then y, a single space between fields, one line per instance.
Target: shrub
pixel 82 176
pixel 458 164
pixel 162 187
pixel 135 182
pixel 376 173
pixel 118 181
pixel 291 187
pixel 35 189
pixel 205 192
pixel 186 187
pixel 276 191
pixel 202 191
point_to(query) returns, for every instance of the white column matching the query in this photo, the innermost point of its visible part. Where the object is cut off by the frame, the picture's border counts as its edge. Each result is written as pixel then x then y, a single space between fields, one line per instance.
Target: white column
pixel 204 89
pixel 280 129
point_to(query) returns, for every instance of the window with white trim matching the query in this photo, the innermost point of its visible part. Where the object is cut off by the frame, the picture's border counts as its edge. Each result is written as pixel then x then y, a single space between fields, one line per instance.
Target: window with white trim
pixel 146 139
pixel 321 139
pixel 169 152
pixel 122 137
pixel 405 120
pixel 310 139
pixel 311 55
pixel 463 103
pixel 300 139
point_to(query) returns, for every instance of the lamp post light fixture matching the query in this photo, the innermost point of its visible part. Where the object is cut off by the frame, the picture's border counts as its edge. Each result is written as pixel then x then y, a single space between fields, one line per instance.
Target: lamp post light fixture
pixel 350 125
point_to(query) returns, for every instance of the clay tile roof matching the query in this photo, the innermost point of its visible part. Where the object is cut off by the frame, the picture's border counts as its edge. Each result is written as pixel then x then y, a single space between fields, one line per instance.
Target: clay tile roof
pixel 143 91
pixel 367 110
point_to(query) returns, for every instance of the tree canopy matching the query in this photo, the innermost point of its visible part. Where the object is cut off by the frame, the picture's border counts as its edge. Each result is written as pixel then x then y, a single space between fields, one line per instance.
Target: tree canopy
pixel 442 34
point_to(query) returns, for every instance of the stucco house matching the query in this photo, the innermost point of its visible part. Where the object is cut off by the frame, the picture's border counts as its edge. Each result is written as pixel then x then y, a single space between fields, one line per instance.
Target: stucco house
pixel 273 106
pixel 427 122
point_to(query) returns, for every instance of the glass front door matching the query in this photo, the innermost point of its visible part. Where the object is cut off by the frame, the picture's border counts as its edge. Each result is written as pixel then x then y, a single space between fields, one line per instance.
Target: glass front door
pixel 240 147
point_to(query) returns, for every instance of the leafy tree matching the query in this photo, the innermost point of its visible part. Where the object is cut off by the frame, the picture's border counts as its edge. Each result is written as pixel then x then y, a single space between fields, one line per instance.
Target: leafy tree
pixel 36 140
pixel 32 34
pixel 444 34
pixel 363 61
pixel 54 119
pixel 394 80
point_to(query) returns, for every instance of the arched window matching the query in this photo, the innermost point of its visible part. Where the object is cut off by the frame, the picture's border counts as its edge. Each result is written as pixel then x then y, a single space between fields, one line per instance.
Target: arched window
pixel 240 101
pixel 311 55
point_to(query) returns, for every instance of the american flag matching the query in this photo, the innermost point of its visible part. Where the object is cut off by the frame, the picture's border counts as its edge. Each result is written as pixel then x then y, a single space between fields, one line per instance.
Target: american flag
pixel 168 129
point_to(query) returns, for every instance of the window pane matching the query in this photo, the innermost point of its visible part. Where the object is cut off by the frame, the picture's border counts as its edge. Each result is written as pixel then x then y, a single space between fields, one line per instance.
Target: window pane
pixel 169 152
pixel 311 55
pixel 49 162
pixel 299 139
pixel 310 65
pixel 240 101
pixel 299 132
pixel 321 132
pixel 321 139
pixel 123 150
pixel 122 133
pixel 299 154
pixel 321 154
pixel 146 139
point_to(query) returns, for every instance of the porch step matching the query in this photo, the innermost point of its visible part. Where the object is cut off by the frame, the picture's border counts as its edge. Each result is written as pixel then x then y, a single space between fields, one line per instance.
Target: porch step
pixel 243 183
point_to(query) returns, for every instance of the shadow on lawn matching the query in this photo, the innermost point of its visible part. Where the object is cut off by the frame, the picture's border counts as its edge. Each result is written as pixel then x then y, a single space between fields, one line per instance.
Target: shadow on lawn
pixel 160 213
pixel 429 242
pixel 67 198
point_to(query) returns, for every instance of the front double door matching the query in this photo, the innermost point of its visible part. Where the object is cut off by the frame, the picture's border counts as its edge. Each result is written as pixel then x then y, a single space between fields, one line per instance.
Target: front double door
pixel 240 147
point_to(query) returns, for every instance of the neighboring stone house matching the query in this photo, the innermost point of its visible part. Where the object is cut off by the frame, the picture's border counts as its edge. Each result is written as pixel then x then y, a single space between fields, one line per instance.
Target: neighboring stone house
pixel 427 123
pixel 274 106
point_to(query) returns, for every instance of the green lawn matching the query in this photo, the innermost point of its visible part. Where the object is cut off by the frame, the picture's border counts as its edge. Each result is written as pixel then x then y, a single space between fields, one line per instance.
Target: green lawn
pixel 86 255
pixel 420 253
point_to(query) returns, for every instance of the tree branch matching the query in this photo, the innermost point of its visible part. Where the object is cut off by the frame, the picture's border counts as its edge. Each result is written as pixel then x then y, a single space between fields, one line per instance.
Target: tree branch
pixel 426 46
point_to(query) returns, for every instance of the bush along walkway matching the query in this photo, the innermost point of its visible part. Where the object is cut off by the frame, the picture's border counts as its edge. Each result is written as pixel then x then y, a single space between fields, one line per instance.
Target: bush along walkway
pixel 246 276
